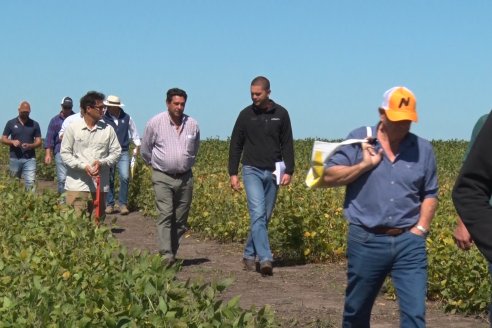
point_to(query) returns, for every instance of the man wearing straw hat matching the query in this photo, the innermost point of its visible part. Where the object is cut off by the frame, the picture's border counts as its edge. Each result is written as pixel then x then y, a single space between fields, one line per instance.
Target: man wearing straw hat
pixel 390 200
pixel 126 130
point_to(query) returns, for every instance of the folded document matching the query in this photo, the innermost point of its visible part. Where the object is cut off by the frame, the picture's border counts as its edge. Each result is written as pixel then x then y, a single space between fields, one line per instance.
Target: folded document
pixel 279 171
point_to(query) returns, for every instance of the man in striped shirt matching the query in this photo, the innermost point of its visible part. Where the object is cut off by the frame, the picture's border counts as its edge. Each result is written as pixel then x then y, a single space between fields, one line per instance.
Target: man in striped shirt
pixel 170 145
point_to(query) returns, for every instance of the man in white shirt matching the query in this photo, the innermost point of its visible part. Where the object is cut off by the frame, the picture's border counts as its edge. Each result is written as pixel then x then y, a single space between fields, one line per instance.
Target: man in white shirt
pixel 89 148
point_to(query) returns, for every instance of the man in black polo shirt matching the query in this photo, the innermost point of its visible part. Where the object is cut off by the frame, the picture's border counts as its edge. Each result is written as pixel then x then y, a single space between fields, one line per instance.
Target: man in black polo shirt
pixel 25 136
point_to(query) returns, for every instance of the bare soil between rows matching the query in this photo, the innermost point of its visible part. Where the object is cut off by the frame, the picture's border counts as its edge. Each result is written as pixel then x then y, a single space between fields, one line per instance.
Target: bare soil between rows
pixel 308 295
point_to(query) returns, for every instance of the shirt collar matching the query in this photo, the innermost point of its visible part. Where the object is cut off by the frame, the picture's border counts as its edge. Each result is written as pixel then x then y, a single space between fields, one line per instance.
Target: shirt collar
pixel 99 125
pixel 407 142
pixel 273 105
pixel 183 121
pixel 63 118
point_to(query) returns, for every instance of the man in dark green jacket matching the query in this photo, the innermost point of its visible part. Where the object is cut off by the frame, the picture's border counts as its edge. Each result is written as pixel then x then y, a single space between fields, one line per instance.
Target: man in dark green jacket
pixel 461 235
pixel 472 192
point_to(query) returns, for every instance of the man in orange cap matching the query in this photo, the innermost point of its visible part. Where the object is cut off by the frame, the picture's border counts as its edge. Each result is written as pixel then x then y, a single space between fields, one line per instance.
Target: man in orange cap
pixel 390 200
pixel 23 135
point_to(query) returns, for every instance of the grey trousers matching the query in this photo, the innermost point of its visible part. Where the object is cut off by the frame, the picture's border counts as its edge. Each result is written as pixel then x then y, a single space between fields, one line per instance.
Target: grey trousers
pixel 173 197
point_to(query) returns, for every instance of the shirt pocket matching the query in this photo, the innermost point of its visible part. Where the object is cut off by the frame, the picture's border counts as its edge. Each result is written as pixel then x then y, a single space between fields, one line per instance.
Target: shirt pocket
pixel 101 149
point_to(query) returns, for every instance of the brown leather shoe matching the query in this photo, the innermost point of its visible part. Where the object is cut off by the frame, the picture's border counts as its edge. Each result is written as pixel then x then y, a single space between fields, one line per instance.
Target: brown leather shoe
pixel 266 268
pixel 249 265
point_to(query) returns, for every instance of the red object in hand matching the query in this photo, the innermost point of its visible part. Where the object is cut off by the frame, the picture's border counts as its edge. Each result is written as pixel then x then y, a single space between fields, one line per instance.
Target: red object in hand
pixel 98 206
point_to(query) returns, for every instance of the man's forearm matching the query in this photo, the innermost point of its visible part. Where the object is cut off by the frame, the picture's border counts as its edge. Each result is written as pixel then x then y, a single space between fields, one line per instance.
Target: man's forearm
pixel 6 141
pixel 341 175
pixel 427 211
pixel 37 142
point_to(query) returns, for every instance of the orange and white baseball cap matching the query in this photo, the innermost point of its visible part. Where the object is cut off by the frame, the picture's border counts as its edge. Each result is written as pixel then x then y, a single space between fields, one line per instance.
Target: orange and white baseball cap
pixel 399 104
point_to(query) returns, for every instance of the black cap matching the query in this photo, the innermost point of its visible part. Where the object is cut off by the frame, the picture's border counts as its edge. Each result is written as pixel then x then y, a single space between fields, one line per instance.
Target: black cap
pixel 67 102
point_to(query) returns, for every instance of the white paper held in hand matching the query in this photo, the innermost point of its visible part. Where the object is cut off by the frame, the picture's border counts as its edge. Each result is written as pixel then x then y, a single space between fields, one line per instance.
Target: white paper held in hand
pixel 133 161
pixel 279 171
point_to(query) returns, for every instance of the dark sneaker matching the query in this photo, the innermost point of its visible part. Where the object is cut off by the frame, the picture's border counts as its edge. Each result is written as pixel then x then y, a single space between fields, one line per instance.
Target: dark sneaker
pixel 266 268
pixel 249 265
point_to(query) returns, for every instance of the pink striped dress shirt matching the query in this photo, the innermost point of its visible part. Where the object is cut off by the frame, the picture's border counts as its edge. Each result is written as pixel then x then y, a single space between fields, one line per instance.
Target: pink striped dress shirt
pixel 167 149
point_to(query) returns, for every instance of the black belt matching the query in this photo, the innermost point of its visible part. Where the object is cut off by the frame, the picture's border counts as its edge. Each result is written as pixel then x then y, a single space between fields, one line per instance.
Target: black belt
pixel 388 231
pixel 175 175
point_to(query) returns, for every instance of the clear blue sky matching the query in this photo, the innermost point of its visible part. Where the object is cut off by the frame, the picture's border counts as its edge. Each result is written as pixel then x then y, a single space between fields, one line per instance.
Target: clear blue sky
pixel 329 62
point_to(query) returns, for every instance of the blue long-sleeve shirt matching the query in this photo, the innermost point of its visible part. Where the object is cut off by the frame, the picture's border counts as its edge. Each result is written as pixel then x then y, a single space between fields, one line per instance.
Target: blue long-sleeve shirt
pixel 52 140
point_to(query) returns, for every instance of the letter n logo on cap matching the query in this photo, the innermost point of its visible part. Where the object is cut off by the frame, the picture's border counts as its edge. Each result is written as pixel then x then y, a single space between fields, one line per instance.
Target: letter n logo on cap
pixel 404 102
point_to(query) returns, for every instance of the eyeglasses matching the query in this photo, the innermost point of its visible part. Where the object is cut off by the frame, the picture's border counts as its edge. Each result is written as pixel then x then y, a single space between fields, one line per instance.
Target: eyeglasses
pixel 100 107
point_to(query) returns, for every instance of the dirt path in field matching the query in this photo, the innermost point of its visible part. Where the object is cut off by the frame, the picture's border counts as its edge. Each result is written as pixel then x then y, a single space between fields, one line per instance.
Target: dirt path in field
pixel 302 296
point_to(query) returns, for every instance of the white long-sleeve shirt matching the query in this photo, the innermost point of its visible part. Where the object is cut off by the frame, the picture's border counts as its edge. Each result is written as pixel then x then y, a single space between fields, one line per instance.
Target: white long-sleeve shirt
pixel 81 146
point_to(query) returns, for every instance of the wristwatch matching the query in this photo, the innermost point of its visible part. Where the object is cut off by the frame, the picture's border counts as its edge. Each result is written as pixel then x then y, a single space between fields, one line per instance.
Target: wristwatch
pixel 422 229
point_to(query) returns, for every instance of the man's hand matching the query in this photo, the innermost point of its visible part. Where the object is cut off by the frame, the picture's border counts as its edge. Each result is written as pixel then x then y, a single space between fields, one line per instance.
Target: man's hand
pixel 48 157
pixel 235 184
pixel 370 158
pixel 461 236
pixel 26 145
pixel 286 178
pixel 93 170
pixel 16 143
pixel 96 166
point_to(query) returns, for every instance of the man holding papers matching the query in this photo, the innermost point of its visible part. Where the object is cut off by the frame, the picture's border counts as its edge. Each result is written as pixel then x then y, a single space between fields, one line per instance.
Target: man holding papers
pixel 390 200
pixel 263 135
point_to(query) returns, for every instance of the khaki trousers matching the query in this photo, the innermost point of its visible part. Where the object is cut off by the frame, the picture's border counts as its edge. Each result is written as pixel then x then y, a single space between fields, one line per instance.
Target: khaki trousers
pixel 83 202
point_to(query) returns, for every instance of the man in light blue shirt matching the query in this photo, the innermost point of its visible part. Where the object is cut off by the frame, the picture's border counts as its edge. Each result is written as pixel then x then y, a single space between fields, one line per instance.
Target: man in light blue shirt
pixel 390 200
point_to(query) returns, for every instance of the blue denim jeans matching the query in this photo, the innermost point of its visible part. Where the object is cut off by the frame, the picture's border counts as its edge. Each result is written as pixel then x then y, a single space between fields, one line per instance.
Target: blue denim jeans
pixel 24 168
pixel 371 257
pixel 261 192
pixel 123 166
pixel 61 173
